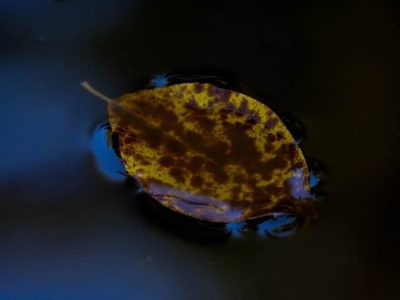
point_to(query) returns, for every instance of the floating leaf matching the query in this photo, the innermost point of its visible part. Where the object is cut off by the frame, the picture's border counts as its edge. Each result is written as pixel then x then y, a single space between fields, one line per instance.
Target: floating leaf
pixel 210 153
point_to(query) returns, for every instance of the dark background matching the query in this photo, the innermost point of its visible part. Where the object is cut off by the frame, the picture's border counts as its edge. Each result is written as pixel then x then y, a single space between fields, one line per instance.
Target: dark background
pixel 66 232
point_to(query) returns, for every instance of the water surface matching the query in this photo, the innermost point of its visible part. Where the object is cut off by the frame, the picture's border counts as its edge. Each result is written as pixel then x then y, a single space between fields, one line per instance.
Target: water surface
pixel 69 233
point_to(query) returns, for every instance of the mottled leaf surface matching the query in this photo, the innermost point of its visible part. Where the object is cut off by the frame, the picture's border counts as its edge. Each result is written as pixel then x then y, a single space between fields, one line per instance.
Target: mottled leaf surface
pixel 210 153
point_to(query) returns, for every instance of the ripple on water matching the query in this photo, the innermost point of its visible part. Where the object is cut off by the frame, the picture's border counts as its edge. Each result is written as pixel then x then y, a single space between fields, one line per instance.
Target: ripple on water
pixel 108 163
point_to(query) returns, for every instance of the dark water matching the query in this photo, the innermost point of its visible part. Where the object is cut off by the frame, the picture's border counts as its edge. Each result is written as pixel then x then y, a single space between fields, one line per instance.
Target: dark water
pixel 66 232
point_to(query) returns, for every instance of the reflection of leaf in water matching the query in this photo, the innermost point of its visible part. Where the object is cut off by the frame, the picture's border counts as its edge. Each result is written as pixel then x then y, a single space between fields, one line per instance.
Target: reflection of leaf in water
pixel 209 153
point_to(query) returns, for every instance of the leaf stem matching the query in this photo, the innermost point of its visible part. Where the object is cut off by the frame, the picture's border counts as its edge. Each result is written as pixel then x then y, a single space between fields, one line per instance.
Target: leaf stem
pixel 95 92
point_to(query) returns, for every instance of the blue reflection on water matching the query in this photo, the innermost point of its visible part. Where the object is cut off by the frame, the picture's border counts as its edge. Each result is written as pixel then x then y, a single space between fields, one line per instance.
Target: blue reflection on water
pixel 314 179
pixel 235 229
pixel 279 225
pixel 109 164
pixel 159 80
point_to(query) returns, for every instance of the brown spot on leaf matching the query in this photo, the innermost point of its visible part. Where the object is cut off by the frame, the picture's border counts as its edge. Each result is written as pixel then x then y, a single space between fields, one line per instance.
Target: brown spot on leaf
pixel 198 88
pixel 174 146
pixel 271 123
pixel 275 163
pixel 218 151
pixel 279 135
pixel 242 110
pixel 217 171
pixel 292 148
pixel 270 138
pixel 252 117
pixel 177 173
pixel 235 191
pixel 166 161
pixel 193 140
pixel 203 122
pixel 195 163
pixel 130 139
pixel 152 136
pixel 242 126
pixel 196 181
pixel 228 108
pixel 269 147
pixel 239 179
pixel 192 104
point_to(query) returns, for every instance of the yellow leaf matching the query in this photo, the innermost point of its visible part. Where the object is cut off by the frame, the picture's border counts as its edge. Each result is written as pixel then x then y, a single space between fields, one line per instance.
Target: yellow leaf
pixel 210 153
